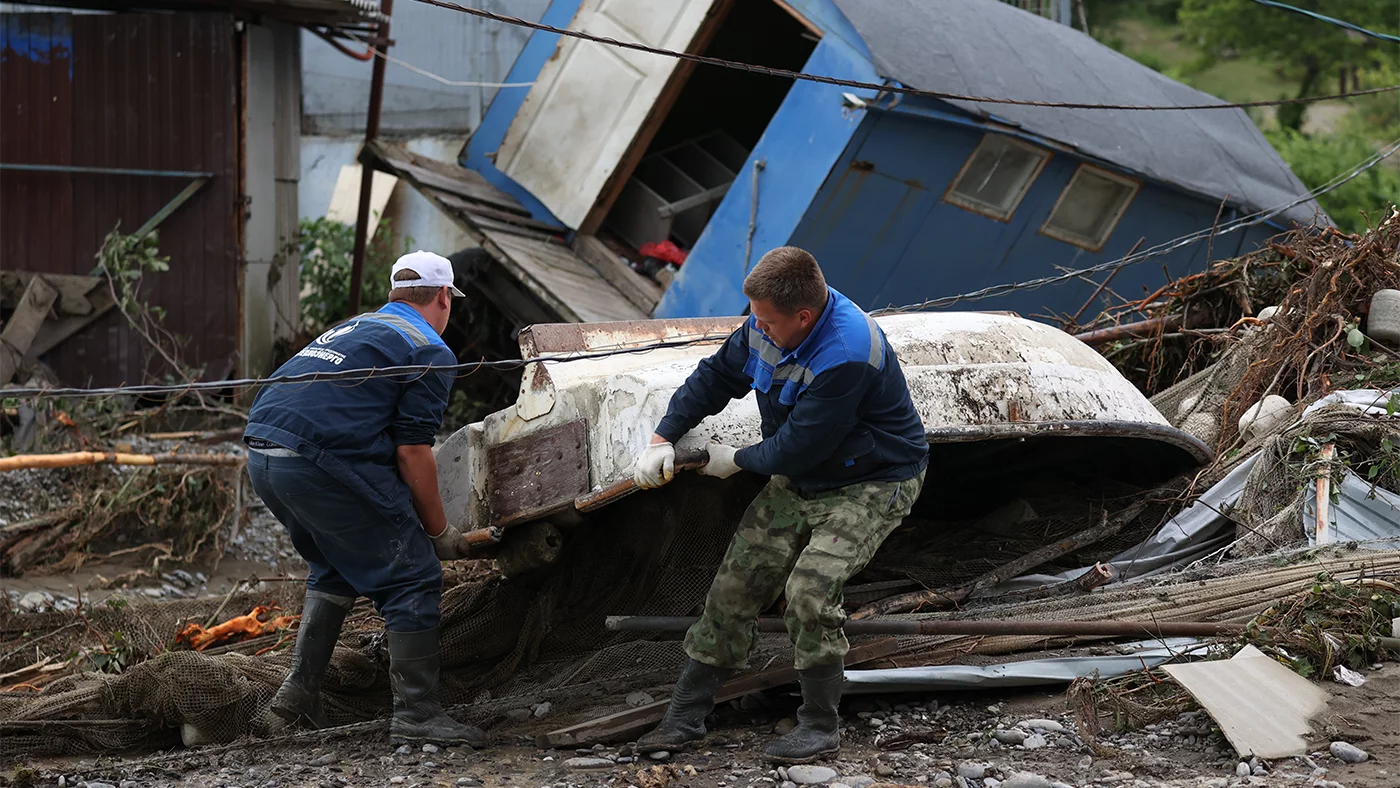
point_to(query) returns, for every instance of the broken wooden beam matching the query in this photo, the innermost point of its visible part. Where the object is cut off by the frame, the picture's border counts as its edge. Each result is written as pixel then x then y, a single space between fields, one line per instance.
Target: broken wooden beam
pixel 19 332
pixel 997 626
pixel 1142 328
pixel 934 599
pixel 488 535
pixel 623 725
pixel 70 459
pixel 642 292
pixel 685 461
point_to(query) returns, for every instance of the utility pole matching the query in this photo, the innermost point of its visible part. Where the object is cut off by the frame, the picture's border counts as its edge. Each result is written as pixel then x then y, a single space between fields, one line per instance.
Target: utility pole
pixel 376 100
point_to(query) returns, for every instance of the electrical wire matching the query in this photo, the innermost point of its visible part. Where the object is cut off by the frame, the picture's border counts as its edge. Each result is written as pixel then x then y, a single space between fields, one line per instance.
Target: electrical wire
pixel 356 376
pixel 1330 20
pixel 452 83
pixel 907 91
pixel 1163 248
pixel 363 374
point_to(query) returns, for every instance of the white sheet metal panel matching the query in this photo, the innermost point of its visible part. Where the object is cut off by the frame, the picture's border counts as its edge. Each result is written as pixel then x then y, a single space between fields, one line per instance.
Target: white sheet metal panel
pixel 590 100
pixel 1262 707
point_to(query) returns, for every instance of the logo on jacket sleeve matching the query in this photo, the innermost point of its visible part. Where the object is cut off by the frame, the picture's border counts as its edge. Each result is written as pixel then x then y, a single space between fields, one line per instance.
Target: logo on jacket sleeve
pixel 325 354
pixel 329 336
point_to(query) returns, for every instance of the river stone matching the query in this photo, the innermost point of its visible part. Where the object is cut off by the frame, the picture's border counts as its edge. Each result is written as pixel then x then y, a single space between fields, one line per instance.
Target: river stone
pixel 810 775
pixel 1348 752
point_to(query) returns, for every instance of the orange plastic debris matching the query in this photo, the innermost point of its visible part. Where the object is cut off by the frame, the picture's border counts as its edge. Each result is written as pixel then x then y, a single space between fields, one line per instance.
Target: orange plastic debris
pixel 242 627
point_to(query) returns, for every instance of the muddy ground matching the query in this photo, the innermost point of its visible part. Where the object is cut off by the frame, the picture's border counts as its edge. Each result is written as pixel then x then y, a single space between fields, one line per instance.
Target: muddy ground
pixel 973 740
pixel 963 739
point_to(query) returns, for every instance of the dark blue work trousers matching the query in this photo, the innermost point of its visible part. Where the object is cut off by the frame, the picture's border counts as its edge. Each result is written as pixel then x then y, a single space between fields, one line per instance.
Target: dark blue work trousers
pixel 353 549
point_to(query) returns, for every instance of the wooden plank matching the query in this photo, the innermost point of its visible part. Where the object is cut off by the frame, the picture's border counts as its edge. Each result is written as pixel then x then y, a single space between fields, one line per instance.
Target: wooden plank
pixel 641 291
pixel 538 473
pixel 476 209
pixel 567 279
pixel 456 179
pixel 73 291
pixel 624 724
pixel 55 332
pixel 23 325
pixel 1263 708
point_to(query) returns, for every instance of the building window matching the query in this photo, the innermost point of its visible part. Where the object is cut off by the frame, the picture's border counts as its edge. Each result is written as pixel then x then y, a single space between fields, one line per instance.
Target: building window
pixel 997 176
pixel 1090 207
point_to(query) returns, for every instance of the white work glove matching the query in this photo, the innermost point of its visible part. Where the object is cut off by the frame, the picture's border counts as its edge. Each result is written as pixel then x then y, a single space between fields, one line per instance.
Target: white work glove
pixel 655 467
pixel 721 464
pixel 449 545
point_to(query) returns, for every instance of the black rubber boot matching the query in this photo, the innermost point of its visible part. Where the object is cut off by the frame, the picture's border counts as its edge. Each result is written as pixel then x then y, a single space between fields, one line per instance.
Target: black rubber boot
pixel 414 663
pixel 691 701
pixel 818 730
pixel 298 700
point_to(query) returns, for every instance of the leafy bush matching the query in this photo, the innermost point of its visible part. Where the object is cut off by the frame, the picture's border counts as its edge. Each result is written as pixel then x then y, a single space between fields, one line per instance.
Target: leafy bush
pixel 1317 159
pixel 327 249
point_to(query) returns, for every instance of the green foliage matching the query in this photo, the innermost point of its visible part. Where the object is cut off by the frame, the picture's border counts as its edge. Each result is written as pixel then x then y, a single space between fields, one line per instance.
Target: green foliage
pixel 327 251
pixel 115 657
pixel 1317 159
pixel 1228 29
pixel 1334 623
pixel 1104 14
pixel 125 260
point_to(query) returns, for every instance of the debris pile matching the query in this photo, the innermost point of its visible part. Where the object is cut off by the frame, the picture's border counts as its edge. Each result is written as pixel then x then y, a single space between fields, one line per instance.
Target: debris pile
pixel 1284 534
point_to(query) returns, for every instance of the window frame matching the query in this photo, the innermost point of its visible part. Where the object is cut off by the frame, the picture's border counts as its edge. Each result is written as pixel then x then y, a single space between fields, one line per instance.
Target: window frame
pixel 1071 239
pixel 952 198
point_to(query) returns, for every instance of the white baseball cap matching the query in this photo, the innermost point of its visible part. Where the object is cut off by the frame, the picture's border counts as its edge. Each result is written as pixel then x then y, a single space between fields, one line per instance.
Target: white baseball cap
pixel 433 270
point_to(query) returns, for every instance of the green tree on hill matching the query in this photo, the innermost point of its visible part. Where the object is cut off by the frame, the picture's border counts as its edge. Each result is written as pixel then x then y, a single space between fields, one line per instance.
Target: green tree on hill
pixel 1316 49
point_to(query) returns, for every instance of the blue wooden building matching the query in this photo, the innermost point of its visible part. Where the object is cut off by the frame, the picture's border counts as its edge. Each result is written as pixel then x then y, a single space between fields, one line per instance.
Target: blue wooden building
pixel 900 198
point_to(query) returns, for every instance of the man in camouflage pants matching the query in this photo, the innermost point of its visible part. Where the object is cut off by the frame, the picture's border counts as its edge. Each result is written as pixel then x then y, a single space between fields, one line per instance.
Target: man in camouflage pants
pixel 846 453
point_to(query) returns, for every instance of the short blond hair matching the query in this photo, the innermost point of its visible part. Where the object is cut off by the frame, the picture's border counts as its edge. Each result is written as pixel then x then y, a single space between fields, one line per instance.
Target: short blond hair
pixel 789 279
pixel 419 296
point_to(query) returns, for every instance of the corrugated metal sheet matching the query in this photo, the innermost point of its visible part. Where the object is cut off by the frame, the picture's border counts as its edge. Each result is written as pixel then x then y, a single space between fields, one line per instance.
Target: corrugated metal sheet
pixel 135 91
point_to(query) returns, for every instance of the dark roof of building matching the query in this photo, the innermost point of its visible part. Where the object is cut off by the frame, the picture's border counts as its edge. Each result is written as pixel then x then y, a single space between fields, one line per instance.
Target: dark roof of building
pixel 317 13
pixel 990 48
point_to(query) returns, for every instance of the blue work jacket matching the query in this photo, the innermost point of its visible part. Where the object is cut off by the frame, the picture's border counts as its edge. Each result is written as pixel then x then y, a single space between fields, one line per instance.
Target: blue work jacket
pixel 835 411
pixel 351 428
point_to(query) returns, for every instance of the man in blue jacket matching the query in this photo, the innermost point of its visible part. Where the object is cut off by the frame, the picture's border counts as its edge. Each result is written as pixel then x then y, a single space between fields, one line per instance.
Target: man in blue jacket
pixel 846 453
pixel 348 468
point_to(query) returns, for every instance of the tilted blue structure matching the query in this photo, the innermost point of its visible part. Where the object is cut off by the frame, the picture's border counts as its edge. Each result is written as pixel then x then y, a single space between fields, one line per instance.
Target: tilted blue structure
pixel 904 199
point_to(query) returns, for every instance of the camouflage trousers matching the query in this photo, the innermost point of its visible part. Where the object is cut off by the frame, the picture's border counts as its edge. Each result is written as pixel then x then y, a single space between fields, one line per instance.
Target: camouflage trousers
pixel 807 546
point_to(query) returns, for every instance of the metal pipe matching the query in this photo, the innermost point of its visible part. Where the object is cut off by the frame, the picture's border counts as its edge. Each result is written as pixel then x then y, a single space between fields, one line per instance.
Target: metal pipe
pixel 103 170
pixel 886 626
pixel 376 101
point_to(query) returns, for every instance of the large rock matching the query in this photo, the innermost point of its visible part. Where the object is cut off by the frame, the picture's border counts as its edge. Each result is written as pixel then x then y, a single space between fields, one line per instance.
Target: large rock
pixel 1350 753
pixel 1011 736
pixel 588 763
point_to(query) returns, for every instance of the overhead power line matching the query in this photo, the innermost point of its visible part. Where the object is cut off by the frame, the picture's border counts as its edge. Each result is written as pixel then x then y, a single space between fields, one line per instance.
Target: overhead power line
pixel 353 376
pixel 1330 20
pixel 356 376
pixel 907 91
pixel 423 72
